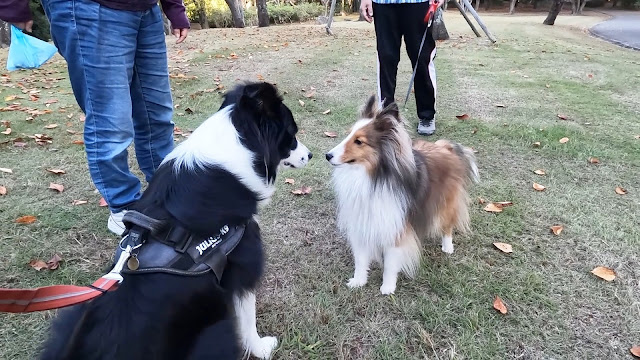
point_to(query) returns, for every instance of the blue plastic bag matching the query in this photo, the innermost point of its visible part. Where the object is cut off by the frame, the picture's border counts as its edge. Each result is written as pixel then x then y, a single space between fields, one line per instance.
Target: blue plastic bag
pixel 27 52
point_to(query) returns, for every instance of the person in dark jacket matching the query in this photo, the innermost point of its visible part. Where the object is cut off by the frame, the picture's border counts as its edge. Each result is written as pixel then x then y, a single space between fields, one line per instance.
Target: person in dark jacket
pixel 117 61
pixel 394 20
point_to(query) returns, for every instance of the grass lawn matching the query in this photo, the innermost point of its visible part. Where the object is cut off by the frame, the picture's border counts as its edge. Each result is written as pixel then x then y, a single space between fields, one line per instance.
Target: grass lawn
pixel 556 307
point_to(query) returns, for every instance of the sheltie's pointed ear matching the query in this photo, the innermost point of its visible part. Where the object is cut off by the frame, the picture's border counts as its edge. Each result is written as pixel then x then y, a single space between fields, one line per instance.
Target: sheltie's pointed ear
pixel 370 109
pixel 388 118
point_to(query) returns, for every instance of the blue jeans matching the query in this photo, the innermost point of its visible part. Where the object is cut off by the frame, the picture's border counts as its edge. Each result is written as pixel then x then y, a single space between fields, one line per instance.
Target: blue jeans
pixel 118 69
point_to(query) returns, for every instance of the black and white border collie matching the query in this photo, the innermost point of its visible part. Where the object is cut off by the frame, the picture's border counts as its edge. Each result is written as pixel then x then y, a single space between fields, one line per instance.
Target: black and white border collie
pixel 216 177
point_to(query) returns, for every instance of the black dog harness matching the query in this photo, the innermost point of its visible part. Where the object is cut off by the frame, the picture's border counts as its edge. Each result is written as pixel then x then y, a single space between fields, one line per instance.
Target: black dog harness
pixel 174 249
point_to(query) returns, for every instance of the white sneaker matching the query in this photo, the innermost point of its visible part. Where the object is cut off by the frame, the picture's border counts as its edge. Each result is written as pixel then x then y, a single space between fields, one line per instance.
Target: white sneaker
pixel 115 223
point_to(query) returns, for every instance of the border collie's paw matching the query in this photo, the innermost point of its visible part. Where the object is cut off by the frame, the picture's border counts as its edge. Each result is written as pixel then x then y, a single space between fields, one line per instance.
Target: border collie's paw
pixel 387 289
pixel 356 282
pixel 447 248
pixel 265 347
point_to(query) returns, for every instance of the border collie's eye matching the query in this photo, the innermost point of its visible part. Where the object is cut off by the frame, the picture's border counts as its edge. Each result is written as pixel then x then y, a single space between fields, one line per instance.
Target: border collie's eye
pixel 358 142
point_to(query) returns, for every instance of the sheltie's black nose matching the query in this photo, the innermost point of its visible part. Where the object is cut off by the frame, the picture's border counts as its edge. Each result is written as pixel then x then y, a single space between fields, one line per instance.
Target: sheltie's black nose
pixel 329 156
pixel 310 155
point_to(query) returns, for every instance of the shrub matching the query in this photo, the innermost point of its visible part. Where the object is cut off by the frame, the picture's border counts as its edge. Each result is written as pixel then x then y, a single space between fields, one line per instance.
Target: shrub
pixel 278 14
pixel 41 28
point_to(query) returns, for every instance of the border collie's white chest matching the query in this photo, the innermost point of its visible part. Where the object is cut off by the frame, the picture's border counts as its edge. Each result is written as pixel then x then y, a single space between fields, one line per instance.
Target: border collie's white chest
pixel 369 215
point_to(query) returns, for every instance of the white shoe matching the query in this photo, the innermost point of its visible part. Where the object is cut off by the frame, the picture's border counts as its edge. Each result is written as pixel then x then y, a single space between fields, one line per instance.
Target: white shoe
pixel 115 223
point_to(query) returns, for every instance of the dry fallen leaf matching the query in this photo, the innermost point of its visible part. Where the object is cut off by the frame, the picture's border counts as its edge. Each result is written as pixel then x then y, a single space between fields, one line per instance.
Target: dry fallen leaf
pixel 57 187
pixel 330 134
pixel 536 144
pixel 564 140
pixel 636 137
pixel 56 171
pixel 27 219
pixel 79 202
pixel 54 262
pixel 557 229
pixel 5 170
pixel 538 187
pixel 3 190
pixel 260 77
pixel 102 202
pixel 78 142
pixel 503 204
pixel 594 160
pixel 499 305
pixel 620 190
pixel 481 200
pixel 289 181
pixel 492 207
pixel 51 126
pixel 463 117
pixel 635 351
pixel 6 132
pixel 301 102
pixel 326 111
pixel 604 273
pixel 504 247
pixel 302 191
pixel 539 172
pixel 38 264
pixel 562 117
pixel 310 94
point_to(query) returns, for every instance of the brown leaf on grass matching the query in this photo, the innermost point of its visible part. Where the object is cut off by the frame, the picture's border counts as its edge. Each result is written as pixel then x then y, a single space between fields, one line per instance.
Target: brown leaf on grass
pixel 539 187
pixel 102 202
pixel 594 160
pixel 79 202
pixel 27 219
pixel 78 142
pixel 330 134
pixel 260 77
pixel 5 170
pixel 463 117
pixel 289 181
pixel 326 112
pixel 481 200
pixel 12 97
pixel 51 101
pixel 557 229
pixel 3 190
pixel 302 191
pixel 564 140
pixel 493 207
pixel 636 137
pixel 188 111
pixel 620 190
pixel 635 351
pixel 51 126
pixel 539 172
pixel 604 273
pixel 54 262
pixel 503 204
pixel 499 305
pixel 536 144
pixel 504 247
pixel 233 56
pixel 6 132
pixel 590 76
pixel 57 171
pixel 38 264
pixel 301 102
pixel 59 188
pixel 310 94
pixel 563 117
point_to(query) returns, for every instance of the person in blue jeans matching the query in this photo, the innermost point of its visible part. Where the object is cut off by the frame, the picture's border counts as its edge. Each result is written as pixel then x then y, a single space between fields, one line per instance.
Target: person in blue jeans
pixel 117 61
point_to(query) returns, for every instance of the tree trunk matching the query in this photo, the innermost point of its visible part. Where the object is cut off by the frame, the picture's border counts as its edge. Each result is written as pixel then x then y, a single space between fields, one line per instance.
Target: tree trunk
pixel 236 13
pixel 556 7
pixel 263 14
pixel 445 5
pixel 613 5
pixel 512 7
pixel 439 30
pixel 535 4
pixel 574 8
pixel 355 7
pixel 584 2
pixel 487 4
pixel 202 14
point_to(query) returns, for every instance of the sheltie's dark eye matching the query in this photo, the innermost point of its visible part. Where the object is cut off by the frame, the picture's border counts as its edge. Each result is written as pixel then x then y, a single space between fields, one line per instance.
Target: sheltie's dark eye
pixel 358 142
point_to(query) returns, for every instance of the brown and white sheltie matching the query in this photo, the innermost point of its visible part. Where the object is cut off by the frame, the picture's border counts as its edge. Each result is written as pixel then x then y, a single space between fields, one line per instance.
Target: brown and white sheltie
pixel 392 192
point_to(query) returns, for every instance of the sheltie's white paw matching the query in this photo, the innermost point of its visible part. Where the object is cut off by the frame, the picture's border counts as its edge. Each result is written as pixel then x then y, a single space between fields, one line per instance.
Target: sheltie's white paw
pixel 387 289
pixel 263 348
pixel 356 282
pixel 447 248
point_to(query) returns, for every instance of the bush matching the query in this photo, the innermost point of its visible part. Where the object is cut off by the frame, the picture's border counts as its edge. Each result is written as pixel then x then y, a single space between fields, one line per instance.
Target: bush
pixel 278 14
pixel 41 27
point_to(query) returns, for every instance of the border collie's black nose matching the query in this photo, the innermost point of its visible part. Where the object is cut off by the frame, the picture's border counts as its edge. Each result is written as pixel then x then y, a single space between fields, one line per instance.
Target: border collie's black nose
pixel 310 155
pixel 329 156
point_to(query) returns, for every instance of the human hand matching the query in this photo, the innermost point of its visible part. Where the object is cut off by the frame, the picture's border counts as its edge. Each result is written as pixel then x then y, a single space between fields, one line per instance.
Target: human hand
pixel 440 2
pixel 366 9
pixel 181 34
pixel 26 26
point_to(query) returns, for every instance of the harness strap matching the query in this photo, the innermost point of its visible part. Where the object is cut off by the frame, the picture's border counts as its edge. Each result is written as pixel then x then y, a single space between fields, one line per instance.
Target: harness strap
pixel 51 297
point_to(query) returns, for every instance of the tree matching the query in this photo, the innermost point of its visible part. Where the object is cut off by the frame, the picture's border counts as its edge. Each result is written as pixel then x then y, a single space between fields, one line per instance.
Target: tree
pixel 556 7
pixel 263 14
pixel 202 13
pixel 41 27
pixel 236 13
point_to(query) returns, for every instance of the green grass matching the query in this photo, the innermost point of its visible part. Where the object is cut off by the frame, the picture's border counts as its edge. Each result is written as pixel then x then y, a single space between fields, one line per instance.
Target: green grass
pixel 557 309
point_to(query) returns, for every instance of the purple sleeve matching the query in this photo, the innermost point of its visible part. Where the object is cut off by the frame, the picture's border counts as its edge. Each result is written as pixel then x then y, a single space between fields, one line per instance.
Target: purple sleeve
pixel 174 9
pixel 14 11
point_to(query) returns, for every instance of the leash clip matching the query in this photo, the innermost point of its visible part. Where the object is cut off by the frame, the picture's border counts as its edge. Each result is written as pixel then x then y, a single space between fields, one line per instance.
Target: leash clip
pixel 114 274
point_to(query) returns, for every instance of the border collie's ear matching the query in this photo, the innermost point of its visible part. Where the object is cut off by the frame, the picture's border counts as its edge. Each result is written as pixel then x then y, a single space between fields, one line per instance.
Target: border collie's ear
pixel 388 118
pixel 261 97
pixel 370 108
